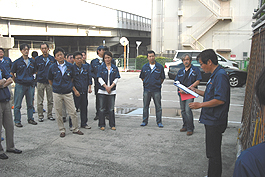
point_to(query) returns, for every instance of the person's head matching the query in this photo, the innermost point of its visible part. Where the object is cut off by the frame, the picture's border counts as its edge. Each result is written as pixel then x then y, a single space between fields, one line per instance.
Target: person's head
pixel 34 54
pixel 151 56
pixel 101 49
pixel 186 59
pixel 70 58
pixel 59 54
pixel 44 47
pixel 208 60
pixel 259 87
pixel 2 52
pixel 107 57
pixel 24 49
pixel 84 56
pixel 78 58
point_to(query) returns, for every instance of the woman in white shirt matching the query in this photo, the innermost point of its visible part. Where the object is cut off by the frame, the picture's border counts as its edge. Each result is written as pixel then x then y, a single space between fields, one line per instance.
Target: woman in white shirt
pixel 108 75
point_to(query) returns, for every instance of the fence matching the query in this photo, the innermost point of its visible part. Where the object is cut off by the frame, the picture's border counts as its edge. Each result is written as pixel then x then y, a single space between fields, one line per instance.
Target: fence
pixel 252 129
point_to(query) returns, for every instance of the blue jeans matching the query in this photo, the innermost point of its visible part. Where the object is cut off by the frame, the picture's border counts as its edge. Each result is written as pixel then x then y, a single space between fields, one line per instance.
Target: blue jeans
pixel 157 101
pixel 187 115
pixel 106 102
pixel 20 91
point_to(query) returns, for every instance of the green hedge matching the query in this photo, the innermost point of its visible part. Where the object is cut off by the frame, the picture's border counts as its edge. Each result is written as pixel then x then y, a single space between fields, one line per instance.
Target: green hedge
pixel 142 59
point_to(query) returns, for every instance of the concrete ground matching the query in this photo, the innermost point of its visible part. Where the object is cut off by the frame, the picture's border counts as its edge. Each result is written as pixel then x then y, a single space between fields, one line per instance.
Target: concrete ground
pixel 131 150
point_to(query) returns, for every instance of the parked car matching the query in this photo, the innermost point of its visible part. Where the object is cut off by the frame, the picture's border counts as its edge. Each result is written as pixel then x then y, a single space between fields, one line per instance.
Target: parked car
pixel 194 53
pixel 236 76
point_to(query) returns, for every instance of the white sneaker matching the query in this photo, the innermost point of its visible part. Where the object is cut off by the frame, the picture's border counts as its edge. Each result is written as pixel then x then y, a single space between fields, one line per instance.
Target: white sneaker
pixel 71 128
pixel 86 127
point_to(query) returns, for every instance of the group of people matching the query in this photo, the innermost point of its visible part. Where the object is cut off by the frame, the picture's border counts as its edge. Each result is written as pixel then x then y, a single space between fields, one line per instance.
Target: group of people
pixel 66 80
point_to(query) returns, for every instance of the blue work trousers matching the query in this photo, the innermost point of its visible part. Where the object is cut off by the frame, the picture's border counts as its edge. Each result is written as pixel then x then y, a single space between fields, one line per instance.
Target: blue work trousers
pixel 82 103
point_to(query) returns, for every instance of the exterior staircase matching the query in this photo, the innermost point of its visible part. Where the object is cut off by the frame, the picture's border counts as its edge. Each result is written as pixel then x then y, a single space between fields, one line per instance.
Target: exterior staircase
pixel 219 13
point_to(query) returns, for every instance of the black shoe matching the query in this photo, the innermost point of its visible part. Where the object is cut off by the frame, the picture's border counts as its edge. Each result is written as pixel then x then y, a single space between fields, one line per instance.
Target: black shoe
pixel 96 118
pixel 64 119
pixel 3 156
pixel 18 125
pixel 15 151
pixel 51 118
pixel 32 122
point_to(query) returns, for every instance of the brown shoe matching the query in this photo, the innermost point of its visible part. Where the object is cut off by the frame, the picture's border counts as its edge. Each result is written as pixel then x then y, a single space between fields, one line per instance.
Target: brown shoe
pixel 113 128
pixel 183 130
pixel 189 133
pixel 78 132
pixel 62 135
pixel 102 128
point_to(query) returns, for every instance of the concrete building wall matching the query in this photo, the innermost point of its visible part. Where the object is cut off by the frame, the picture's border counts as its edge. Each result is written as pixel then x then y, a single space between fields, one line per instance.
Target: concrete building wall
pixel 186 21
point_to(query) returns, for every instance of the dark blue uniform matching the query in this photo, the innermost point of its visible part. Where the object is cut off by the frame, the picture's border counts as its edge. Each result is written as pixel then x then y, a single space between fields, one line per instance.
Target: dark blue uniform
pixel 61 84
pixel 82 79
pixel 152 78
pixel 24 74
pixel 107 101
pixel 4 92
pixel 215 118
pixel 7 63
pixel 24 86
pixel 152 82
pixel 43 67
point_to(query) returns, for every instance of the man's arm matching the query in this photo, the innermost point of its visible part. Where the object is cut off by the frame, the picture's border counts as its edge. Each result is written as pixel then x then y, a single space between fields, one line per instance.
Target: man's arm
pixel 13 76
pixel 50 82
pixel 8 82
pixel 195 84
pixel 200 92
pixel 211 103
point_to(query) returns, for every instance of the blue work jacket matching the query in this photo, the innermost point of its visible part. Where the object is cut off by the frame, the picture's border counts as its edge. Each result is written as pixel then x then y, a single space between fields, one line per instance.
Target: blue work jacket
pixel 4 92
pixel 61 84
pixel 194 75
pixel 24 73
pixel 152 78
pixel 82 78
pixel 43 67
pixel 218 87
pixel 103 73
pixel 7 63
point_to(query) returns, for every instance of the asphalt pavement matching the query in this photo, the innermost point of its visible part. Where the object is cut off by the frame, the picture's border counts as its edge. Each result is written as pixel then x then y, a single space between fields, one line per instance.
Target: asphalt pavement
pixel 131 150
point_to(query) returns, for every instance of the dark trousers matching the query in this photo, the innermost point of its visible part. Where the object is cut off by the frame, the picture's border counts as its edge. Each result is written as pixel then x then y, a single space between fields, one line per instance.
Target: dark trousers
pixel 213 141
pixel 82 102
pixel 97 103
pixel 106 103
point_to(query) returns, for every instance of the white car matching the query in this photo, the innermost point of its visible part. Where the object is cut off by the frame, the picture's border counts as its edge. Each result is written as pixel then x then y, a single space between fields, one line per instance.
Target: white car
pixel 194 53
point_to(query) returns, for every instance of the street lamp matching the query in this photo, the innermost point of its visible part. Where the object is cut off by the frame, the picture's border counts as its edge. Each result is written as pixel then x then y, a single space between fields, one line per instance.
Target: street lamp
pixel 138 43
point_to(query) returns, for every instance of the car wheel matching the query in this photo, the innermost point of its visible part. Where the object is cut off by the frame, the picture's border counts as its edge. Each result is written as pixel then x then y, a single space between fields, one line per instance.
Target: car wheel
pixel 233 81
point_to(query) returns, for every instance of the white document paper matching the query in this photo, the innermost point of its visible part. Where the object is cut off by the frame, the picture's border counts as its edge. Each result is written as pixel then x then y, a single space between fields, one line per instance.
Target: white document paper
pixel 185 89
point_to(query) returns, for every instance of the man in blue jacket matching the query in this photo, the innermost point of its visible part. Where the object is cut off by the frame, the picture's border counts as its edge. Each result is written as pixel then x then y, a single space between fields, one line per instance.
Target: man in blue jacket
pixel 43 63
pixel 215 107
pixel 188 76
pixel 7 63
pixel 22 71
pixel 6 115
pixel 82 83
pixel 152 75
pixel 60 76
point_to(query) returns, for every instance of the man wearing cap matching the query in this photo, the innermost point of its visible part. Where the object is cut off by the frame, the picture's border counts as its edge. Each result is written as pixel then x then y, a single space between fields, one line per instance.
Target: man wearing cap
pixel 95 63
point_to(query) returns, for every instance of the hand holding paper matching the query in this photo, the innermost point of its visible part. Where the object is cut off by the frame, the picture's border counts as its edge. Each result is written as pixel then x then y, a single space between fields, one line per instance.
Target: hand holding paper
pixel 189 93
